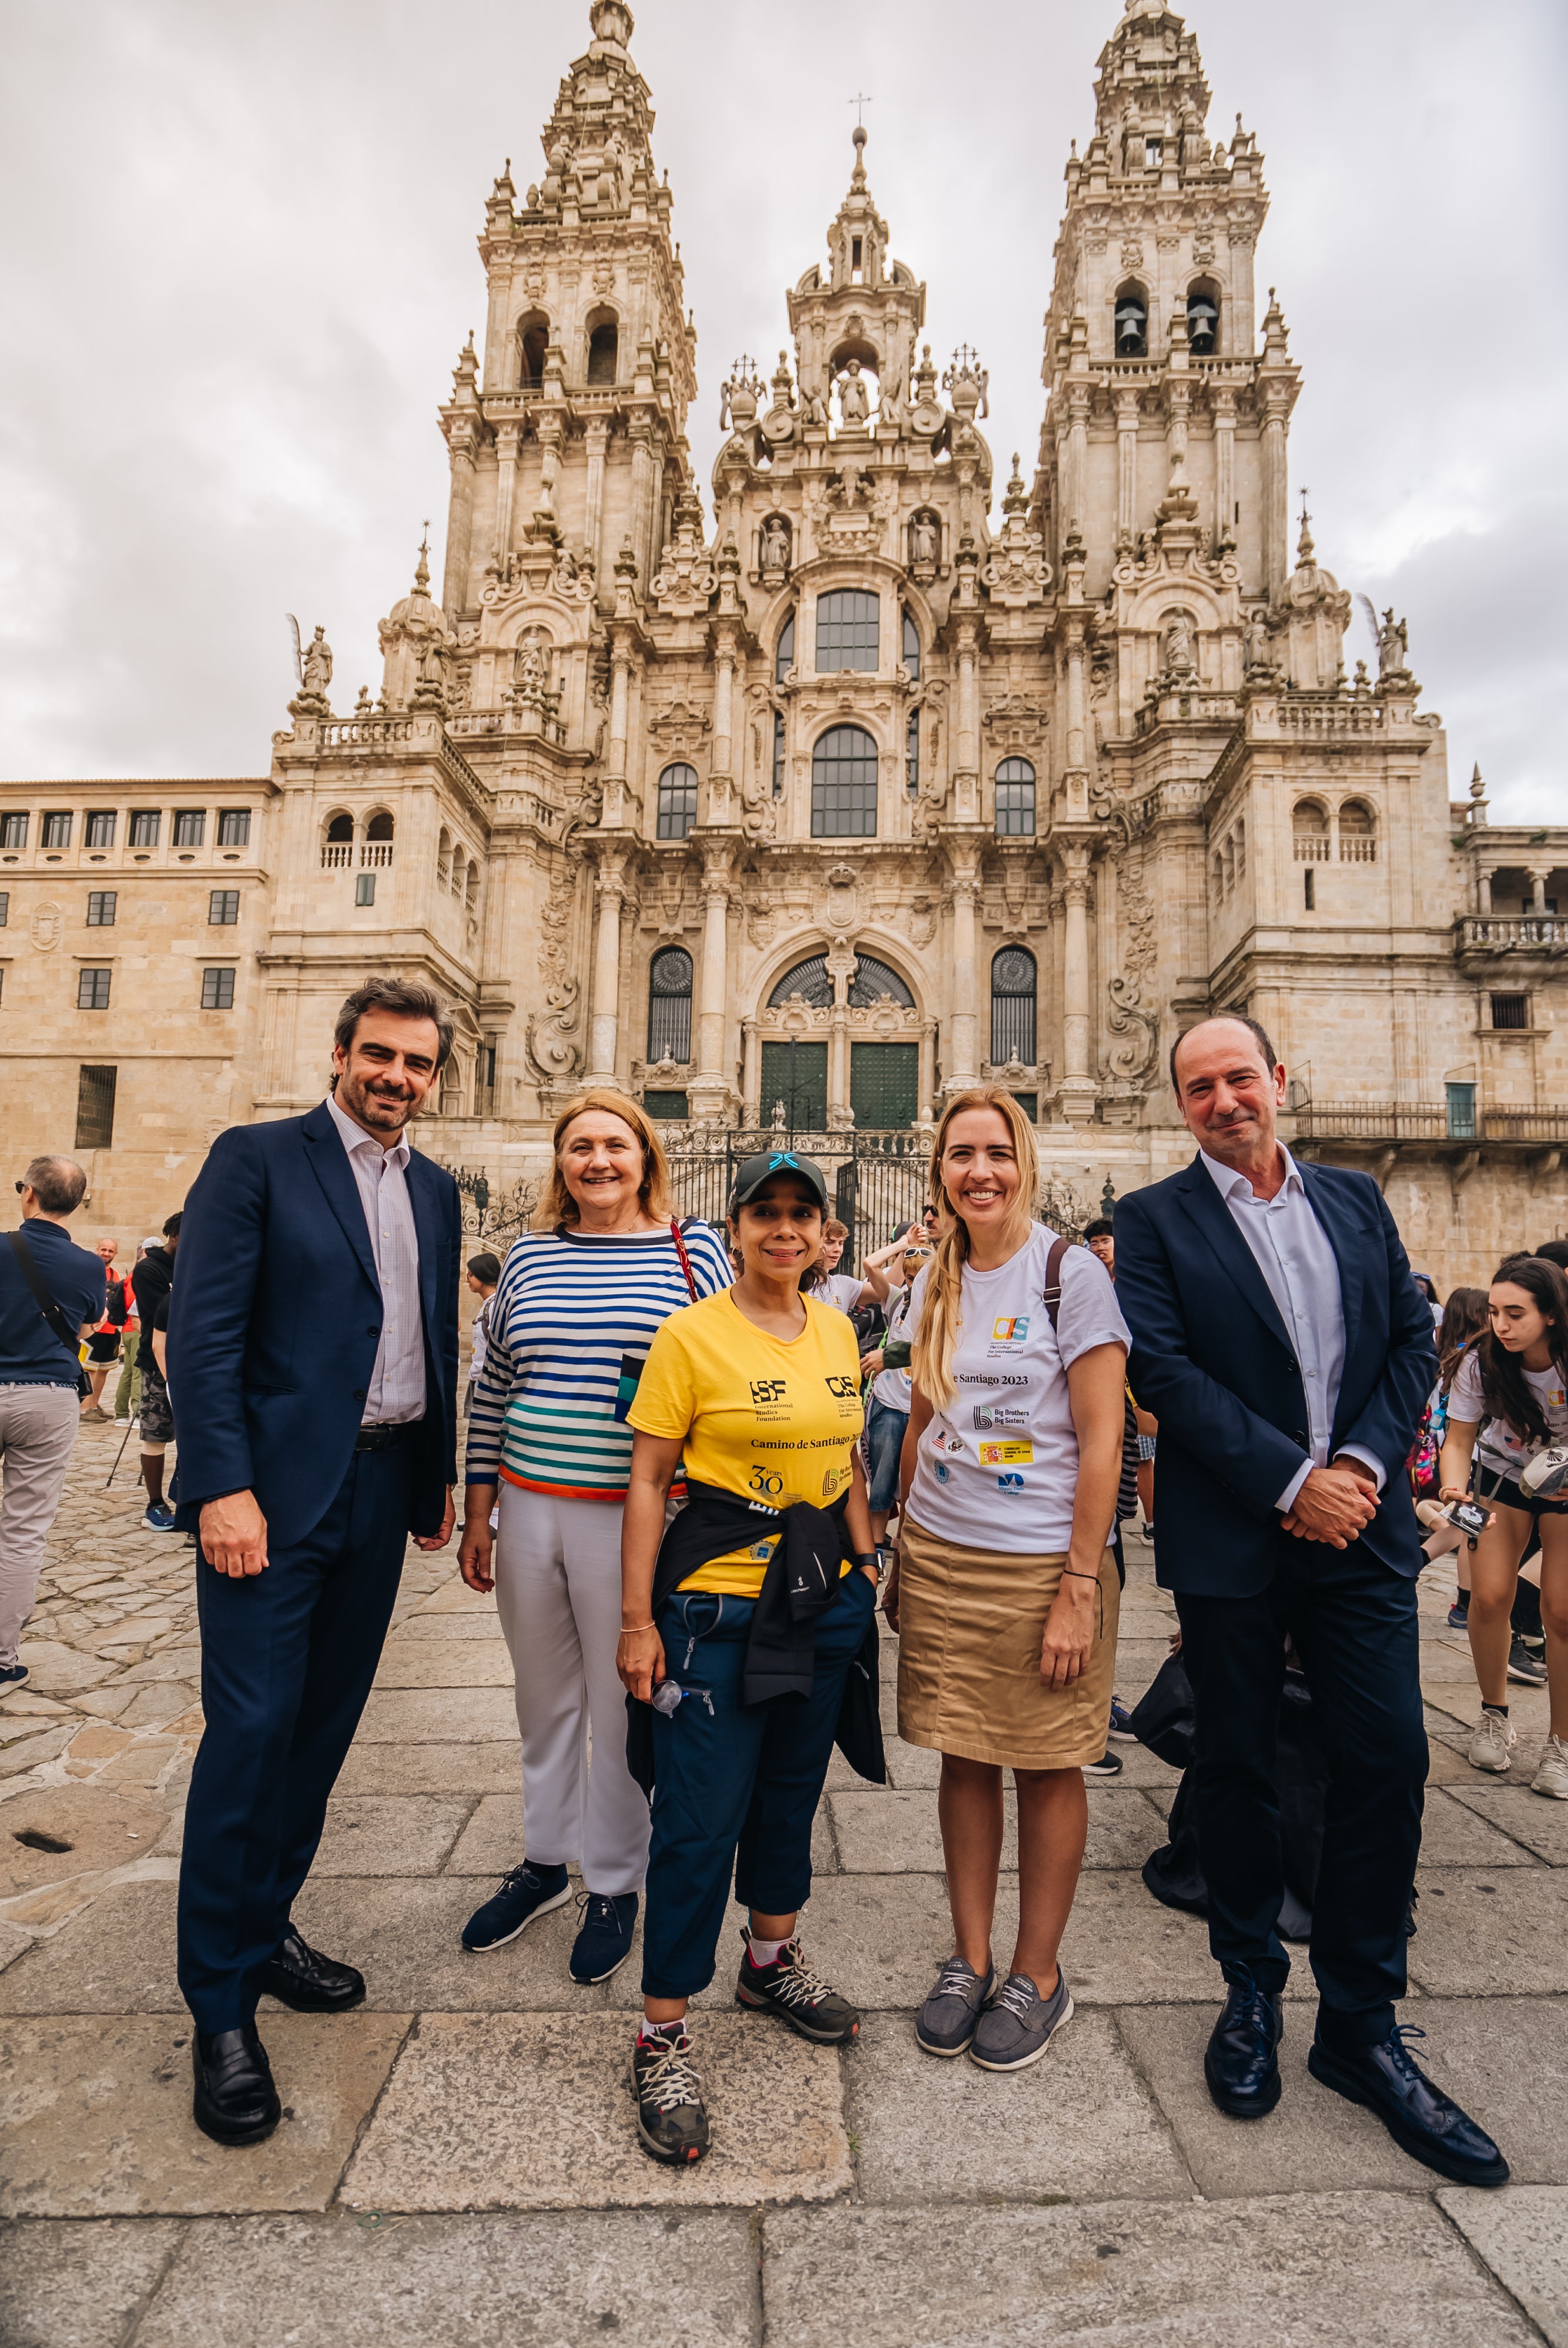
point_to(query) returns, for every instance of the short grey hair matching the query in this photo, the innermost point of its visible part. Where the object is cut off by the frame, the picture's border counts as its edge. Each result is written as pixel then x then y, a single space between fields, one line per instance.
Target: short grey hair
pixel 58 1183
pixel 406 998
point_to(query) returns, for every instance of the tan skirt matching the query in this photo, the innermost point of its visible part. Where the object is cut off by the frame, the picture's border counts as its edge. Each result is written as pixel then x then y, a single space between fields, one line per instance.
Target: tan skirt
pixel 971 1621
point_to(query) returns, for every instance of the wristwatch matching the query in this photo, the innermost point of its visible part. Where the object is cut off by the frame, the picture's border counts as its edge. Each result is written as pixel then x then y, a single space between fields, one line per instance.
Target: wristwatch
pixel 871 1560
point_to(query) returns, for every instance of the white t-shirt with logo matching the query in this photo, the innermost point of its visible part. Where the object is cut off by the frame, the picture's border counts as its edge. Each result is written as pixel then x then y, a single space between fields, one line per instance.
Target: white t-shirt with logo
pixel 841 1289
pixel 1496 1445
pixel 998 1469
pixel 891 1388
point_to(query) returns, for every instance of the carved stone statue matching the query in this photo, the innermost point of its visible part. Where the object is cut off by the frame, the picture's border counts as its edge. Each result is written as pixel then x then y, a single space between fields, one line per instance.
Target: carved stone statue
pixel 854 402
pixel 775 549
pixel 1392 645
pixel 813 408
pixel 1179 654
pixel 533 674
pixel 318 663
pixel 922 539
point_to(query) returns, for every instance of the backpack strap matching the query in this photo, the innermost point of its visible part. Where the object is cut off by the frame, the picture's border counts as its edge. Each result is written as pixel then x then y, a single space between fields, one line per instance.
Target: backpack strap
pixel 1053 1279
pixel 26 1264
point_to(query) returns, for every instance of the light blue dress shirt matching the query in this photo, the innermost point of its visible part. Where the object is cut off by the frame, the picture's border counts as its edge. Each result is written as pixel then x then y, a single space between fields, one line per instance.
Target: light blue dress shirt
pixel 1292 1250
pixel 396 1390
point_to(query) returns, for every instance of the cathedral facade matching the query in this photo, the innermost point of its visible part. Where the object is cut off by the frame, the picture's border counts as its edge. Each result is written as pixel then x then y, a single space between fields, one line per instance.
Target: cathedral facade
pixel 863 776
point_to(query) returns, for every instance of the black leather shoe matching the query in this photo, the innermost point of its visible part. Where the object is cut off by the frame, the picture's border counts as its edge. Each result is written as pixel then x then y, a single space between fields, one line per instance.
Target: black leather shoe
pixel 236 2102
pixel 1422 2120
pixel 1242 2064
pixel 302 1977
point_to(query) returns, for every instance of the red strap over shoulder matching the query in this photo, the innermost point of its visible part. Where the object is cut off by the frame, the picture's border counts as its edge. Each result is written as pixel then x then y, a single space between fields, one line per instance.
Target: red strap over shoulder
pixel 686 1260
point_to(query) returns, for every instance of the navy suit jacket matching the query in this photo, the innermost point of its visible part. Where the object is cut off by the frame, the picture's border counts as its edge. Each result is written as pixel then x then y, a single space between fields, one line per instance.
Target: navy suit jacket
pixel 1212 1360
pixel 274 1320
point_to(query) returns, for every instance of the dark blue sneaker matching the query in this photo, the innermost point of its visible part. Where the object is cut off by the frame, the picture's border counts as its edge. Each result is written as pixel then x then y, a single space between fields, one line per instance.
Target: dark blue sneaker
pixel 525 1892
pixel 12 1675
pixel 160 1517
pixel 1122 1722
pixel 604 1939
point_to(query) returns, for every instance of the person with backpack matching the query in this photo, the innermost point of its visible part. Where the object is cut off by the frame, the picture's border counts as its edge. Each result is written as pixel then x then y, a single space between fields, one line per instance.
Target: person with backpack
pixel 580 1299
pixel 481 1280
pixel 1509 1403
pixel 51 1297
pixel 1005 1592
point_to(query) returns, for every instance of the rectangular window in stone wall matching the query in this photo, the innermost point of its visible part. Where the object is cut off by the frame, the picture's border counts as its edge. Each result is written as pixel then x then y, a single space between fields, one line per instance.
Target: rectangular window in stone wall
pixel 58 829
pixel 223 908
pixel 92 990
pixel 216 990
pixel 95 1107
pixel 13 831
pixel 101 903
pixel 144 827
pixel 101 828
pixel 189 827
pixel 1511 1011
pixel 234 827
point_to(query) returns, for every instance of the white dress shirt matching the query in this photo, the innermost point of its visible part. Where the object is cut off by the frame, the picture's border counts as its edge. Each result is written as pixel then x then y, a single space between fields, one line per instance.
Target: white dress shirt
pixel 1292 1250
pixel 396 1389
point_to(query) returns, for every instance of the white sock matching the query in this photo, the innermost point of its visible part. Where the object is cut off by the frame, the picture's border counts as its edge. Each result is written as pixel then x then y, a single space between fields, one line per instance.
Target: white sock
pixel 766 1952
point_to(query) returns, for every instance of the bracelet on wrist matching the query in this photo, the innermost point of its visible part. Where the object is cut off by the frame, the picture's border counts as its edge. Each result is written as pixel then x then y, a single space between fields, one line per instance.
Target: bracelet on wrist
pixel 630 1630
pixel 1070 1574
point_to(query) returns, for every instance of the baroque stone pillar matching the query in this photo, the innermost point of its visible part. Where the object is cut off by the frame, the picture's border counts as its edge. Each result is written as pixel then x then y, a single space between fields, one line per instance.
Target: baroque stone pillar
pixel 459 526
pixel 604 1023
pixel 1075 1093
pixel 1483 892
pixel 1224 463
pixel 710 1087
pixel 1539 876
pixel 1276 518
pixel 750 1072
pixel 1125 466
pixel 965 1066
pixel 596 439
pixel 506 440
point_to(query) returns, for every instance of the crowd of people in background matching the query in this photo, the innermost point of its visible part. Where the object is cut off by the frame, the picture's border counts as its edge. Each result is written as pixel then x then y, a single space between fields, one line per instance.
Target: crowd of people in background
pixel 698 1460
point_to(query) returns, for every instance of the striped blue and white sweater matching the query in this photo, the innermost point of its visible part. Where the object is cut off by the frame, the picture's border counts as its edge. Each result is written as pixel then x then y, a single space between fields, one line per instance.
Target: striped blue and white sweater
pixel 571 1324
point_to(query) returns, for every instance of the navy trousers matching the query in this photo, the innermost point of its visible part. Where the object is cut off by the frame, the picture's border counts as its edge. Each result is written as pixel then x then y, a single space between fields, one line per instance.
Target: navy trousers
pixel 736 1782
pixel 1353 1625
pixel 287 1659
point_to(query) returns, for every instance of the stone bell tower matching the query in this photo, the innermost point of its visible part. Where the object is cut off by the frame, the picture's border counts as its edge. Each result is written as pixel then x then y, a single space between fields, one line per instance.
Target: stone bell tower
pixel 568 435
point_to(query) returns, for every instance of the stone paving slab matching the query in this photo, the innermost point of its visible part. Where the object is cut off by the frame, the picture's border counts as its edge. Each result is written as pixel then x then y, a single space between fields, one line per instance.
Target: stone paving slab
pixel 1523 2235
pixel 426 1624
pixel 1449 1835
pixel 439 1717
pixel 391 1834
pixel 1506 2061
pixel 1495 1932
pixel 453 1768
pixel 95 2115
pixel 444 1664
pixel 115 1957
pixel 1332 2269
pixel 1541 1825
pixel 534 2112
pixel 538 2279
pixel 1081 2122
pixel 98 1829
pixel 80 2285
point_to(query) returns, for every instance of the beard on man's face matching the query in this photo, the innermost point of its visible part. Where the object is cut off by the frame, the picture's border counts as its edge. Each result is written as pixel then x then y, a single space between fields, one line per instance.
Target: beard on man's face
pixel 386 1104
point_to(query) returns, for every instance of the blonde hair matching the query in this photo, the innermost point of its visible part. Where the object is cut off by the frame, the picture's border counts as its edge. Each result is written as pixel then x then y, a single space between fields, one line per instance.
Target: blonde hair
pixel 558 1206
pixel 931 1355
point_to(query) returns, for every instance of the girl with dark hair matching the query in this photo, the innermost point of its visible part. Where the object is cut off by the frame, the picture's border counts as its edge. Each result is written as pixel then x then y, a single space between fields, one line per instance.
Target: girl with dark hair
pixel 1509 1400
pixel 1464 1318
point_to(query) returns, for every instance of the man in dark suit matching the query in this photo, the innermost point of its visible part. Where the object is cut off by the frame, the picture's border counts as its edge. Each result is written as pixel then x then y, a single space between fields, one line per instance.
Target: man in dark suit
pixel 312 1365
pixel 1286 1351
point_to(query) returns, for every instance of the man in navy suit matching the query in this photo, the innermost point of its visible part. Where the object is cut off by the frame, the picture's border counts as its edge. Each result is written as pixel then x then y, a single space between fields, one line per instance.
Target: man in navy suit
pixel 1286 1351
pixel 313 1365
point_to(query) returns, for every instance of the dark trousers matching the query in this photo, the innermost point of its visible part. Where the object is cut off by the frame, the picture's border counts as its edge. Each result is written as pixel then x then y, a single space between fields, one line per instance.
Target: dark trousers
pixel 1354 1624
pixel 736 1782
pixel 287 1659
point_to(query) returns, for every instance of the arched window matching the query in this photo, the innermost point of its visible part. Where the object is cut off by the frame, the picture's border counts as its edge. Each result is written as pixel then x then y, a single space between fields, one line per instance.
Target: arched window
pixel 1241 851
pixel 778 754
pixel 1015 799
pixel 911 752
pixel 459 861
pixel 1357 833
pixel 1219 876
pixel 380 826
pixel 340 828
pixel 910 634
pixel 1228 857
pixel 784 658
pixel 1131 323
pixel 603 346
pixel 669 1005
pixel 872 980
pixel 444 859
pixel 471 889
pixel 677 802
pixel 1014 986
pixel 844 784
pixel 809 981
pixel 847 631
pixel 336 847
pixel 533 341
pixel 1309 829
pixel 1203 323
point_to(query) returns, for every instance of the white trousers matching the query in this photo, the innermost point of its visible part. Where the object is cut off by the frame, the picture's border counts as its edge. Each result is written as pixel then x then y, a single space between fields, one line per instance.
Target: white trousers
pixel 558 1592
pixel 37 1427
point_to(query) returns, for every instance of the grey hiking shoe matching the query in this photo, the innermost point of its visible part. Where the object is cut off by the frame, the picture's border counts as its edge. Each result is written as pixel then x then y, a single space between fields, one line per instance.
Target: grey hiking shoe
pixel 1017 2029
pixel 946 2022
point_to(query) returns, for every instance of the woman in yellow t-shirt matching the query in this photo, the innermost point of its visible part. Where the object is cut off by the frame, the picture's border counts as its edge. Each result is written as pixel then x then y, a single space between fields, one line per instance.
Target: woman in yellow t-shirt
pixel 744 1656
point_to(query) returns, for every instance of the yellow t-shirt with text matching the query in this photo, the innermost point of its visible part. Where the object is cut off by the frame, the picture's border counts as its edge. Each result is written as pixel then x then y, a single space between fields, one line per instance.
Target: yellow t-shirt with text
pixel 764 1418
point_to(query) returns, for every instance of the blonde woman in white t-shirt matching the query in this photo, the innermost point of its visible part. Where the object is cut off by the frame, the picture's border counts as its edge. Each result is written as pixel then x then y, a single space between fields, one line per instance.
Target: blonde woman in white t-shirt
pixel 1005 1594
pixel 1508 1400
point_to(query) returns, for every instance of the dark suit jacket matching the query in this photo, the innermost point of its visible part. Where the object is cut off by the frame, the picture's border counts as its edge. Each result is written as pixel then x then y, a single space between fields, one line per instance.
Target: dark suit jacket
pixel 1211 1359
pixel 274 1320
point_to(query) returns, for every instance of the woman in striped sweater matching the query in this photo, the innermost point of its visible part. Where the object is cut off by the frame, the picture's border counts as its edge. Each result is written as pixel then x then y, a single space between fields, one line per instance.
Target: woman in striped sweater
pixel 580 1299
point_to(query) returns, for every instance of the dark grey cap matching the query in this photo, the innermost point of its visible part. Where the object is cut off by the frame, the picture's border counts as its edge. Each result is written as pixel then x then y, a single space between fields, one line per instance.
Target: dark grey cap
pixel 752 1172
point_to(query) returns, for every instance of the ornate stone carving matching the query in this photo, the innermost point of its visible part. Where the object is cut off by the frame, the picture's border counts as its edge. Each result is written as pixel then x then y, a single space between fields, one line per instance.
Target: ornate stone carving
pixel 1016 572
pixel 685 583
pixel 551 1037
pixel 47 928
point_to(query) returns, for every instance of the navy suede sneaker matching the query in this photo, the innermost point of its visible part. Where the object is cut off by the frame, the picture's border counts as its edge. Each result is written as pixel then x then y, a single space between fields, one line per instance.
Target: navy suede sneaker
pixel 604 1939
pixel 525 1892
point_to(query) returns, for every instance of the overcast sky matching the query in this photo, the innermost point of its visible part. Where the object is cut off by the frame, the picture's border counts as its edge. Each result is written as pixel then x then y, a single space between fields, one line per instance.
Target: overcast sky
pixel 239 263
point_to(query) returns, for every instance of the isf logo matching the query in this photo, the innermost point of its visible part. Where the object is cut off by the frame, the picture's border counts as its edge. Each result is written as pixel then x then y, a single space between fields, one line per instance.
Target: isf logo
pixel 1011 1332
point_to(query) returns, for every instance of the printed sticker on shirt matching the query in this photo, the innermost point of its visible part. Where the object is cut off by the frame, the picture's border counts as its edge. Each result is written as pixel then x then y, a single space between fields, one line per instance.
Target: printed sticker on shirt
pixel 1016 1454
pixel 988 1414
pixel 834 1481
pixel 1011 1332
pixel 943 1471
pixel 1008 1483
pixel 765 1482
pixel 1555 1397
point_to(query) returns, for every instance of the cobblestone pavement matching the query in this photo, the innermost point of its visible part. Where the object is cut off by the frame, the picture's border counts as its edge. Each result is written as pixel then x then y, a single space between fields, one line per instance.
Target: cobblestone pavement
pixel 458 2161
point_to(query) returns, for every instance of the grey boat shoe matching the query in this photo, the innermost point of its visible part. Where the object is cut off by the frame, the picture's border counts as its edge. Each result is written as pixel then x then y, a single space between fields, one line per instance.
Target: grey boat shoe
pixel 1017 2028
pixel 946 2022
